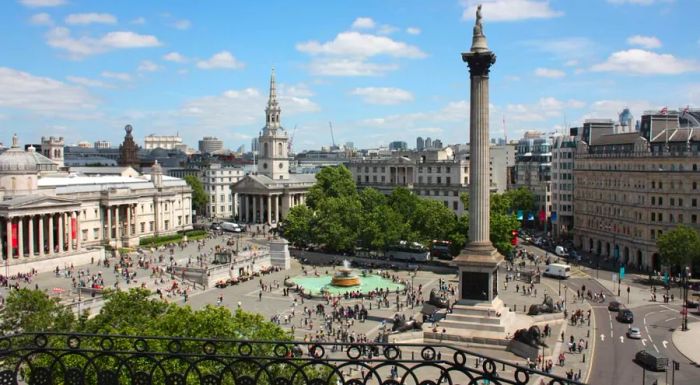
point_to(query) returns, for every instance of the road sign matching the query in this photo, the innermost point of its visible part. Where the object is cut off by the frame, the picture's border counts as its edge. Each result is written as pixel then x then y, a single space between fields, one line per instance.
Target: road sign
pixel 614 278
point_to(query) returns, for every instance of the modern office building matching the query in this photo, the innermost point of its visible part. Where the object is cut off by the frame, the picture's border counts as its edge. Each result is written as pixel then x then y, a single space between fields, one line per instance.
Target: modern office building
pixel 210 145
pixel 562 216
pixel 217 182
pixel 632 187
pixel 398 145
pixel 420 144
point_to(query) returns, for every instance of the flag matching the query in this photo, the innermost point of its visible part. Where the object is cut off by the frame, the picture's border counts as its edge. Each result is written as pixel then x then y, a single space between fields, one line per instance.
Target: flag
pixel 554 216
pixel 664 111
pixel 530 216
pixel 542 215
pixel 520 215
pixel 14 237
pixel 73 228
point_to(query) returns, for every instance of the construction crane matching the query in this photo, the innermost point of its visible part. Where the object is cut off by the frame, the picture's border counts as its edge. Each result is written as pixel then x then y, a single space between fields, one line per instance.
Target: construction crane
pixel 291 140
pixel 332 137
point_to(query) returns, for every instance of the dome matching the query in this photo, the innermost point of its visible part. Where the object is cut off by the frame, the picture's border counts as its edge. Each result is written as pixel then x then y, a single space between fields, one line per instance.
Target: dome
pixel 17 161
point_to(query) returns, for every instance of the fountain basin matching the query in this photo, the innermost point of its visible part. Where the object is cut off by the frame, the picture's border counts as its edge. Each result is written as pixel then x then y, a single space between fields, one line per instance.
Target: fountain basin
pixel 365 284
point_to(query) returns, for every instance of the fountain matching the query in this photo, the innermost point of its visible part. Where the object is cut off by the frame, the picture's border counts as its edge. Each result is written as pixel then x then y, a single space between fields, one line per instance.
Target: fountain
pixel 345 277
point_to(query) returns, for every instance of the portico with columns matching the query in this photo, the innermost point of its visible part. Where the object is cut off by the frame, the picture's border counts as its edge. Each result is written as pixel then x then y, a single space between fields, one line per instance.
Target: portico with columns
pixel 267 195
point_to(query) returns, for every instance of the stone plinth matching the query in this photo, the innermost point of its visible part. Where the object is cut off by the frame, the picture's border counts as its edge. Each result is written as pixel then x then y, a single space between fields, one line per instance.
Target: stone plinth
pixel 279 254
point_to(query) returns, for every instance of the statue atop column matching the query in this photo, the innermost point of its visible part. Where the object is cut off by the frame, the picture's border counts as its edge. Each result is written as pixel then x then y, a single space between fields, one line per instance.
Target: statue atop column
pixel 479 43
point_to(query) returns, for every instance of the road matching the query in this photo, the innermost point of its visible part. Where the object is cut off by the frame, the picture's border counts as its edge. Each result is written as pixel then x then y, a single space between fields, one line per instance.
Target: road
pixel 613 358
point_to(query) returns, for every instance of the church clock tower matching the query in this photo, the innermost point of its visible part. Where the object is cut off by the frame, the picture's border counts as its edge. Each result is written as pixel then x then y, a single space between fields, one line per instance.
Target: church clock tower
pixel 274 160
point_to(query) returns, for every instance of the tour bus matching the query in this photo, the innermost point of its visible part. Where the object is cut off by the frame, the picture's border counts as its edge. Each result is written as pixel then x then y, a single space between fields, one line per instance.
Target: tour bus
pixel 557 270
pixel 441 250
pixel 408 251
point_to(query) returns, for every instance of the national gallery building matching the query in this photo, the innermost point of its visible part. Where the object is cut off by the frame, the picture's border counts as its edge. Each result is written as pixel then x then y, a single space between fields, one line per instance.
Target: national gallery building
pixel 50 217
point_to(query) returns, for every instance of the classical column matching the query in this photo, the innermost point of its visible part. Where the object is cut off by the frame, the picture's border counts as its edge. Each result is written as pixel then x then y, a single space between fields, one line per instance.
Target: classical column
pixel 117 234
pixel 41 235
pixel 78 233
pixel 8 225
pixel 108 234
pixel 255 208
pixel 479 59
pixel 20 236
pixel 128 220
pixel 269 209
pixel 30 231
pixel 51 235
pixel 60 232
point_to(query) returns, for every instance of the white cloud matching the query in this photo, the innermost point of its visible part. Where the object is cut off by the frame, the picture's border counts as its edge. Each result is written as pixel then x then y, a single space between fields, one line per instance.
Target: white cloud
pixel 648 42
pixel 638 61
pixel 544 109
pixel 571 63
pixel 386 29
pixel 87 82
pixel 549 73
pixel 138 20
pixel 174 57
pixel 356 44
pixel 61 38
pixel 566 48
pixel 222 59
pixel 46 96
pixel 383 95
pixel 510 10
pixel 125 77
pixel 182 24
pixel 90 18
pixel 243 107
pixel 300 90
pixel 604 109
pixel 349 67
pixel 148 66
pixel 42 3
pixel 413 31
pixel 363 23
pixel 41 19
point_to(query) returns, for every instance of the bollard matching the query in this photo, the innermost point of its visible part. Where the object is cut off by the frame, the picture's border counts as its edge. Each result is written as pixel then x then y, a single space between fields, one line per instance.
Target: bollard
pixel 504 366
pixel 524 311
pixel 413 354
pixel 584 357
pixel 588 334
pixel 586 344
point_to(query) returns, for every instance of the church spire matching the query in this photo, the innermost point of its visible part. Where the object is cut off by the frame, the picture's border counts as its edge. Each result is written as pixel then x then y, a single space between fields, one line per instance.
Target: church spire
pixel 272 111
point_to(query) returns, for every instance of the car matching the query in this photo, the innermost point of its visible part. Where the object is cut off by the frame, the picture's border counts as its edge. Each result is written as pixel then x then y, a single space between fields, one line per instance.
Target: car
pixel 614 306
pixel 215 226
pixel 651 360
pixel 626 316
pixel 634 333
pixel 692 303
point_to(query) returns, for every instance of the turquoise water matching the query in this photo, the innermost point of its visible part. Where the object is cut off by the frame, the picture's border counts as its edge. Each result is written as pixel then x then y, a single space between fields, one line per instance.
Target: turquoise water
pixel 368 283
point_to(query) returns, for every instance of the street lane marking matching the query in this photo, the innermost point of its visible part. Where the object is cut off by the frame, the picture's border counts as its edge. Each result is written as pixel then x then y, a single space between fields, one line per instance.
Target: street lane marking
pixel 670 319
pixel 657 349
pixel 622 339
pixel 644 342
pixel 645 320
pixel 602 337
pixel 665 343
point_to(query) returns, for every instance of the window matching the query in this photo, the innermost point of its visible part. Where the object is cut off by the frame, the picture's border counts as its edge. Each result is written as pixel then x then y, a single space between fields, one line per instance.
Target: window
pixel 694 202
pixel 653 217
pixel 359 179
pixel 448 180
pixel 695 185
pixel 96 233
pixel 143 227
pixel 694 218
pixel 179 220
pixel 439 180
pixel 653 200
pixel 661 201
pixel 454 205
pixel 446 204
pixel 366 178
pixel 150 226
pixel 383 178
pixel 653 234
pixel 673 201
pixel 167 224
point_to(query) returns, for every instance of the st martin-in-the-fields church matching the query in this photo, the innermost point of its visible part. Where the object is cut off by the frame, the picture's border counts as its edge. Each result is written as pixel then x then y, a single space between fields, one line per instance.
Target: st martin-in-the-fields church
pixel 268 195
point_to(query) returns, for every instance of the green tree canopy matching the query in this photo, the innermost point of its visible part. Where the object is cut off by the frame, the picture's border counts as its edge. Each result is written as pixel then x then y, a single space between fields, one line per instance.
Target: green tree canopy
pixel 298 226
pixel 680 246
pixel 331 182
pixel 33 311
pixel 199 197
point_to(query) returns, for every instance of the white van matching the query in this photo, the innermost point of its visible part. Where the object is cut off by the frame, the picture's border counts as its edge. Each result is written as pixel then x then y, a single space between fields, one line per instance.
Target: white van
pixel 561 251
pixel 231 227
pixel 557 270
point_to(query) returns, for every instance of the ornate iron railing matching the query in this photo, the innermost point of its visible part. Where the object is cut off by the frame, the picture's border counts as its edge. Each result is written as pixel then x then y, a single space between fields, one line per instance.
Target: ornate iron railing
pixel 76 359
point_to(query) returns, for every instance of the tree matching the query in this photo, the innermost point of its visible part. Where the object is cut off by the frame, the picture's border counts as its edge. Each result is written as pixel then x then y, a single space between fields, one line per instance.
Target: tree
pixel 33 311
pixel 502 226
pixel 680 246
pixel 521 199
pixel 337 222
pixel 298 226
pixel 199 197
pixel 331 182
pixel 381 228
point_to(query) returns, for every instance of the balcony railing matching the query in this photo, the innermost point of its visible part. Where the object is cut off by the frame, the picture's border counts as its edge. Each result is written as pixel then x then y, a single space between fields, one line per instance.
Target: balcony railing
pixel 76 359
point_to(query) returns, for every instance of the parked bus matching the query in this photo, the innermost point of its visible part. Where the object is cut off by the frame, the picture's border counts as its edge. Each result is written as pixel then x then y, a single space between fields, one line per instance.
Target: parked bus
pixel 408 251
pixel 441 250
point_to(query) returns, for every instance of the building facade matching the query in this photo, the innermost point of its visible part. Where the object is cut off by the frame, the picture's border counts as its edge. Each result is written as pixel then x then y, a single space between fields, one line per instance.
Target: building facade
pixel 433 174
pixel 217 182
pixel 632 187
pixel 563 151
pixel 533 163
pixel 168 142
pixel 267 195
pixel 46 213
pixel 210 145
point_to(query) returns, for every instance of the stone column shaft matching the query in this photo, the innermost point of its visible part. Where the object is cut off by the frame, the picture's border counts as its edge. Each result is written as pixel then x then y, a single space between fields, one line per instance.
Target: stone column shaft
pixel 60 232
pixel 51 235
pixel 30 231
pixel 20 236
pixel 41 235
pixel 269 209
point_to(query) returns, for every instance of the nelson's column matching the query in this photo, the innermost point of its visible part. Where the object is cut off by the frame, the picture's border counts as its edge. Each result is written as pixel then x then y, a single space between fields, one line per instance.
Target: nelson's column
pixel 479 313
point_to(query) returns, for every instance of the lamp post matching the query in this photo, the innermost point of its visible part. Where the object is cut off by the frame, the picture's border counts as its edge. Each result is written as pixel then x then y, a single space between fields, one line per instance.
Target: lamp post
pixel 686 275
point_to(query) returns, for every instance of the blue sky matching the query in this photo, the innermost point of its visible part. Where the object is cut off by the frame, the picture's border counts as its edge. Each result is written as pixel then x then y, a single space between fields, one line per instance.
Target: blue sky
pixel 378 70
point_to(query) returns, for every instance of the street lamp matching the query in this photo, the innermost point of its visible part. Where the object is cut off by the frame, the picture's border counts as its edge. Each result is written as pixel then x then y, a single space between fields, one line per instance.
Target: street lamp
pixel 686 276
